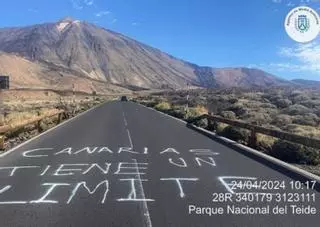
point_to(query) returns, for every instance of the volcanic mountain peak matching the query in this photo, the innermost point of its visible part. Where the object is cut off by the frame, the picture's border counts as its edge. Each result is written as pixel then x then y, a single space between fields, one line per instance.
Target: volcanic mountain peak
pixel 85 50
pixel 67 19
pixel 64 23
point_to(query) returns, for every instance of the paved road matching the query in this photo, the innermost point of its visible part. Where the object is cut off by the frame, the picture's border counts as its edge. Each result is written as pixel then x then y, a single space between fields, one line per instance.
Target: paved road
pixel 122 164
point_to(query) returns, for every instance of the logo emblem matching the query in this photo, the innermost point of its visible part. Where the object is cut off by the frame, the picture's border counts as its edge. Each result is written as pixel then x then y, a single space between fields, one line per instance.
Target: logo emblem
pixel 302 24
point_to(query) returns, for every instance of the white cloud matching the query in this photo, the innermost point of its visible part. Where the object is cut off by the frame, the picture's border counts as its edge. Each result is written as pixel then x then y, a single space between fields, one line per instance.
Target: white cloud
pixel 301 58
pixel 102 13
pixel 276 1
pixel 76 4
pixel 80 4
pixel 307 55
pixel 135 23
pixel 114 21
pixel 88 2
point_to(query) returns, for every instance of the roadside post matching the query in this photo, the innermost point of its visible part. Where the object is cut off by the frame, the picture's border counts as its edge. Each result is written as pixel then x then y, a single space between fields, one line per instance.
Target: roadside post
pixel 1 120
pixel 188 96
pixel 1 143
pixel 1 108
pixel 4 84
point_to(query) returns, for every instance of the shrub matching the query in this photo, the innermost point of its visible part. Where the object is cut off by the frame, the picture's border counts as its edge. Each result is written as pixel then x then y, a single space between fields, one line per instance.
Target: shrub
pixel 195 112
pixel 253 95
pixel 317 111
pixel 265 142
pixel 297 110
pixel 294 153
pixel 179 101
pixel 177 112
pixel 194 102
pixel 282 103
pixel 98 99
pixel 202 123
pixel 150 104
pixel 233 100
pixel 228 114
pixel 272 97
pixel 300 98
pixel 238 109
pixel 1 119
pixel 217 104
pixel 258 118
pixel 220 127
pixel 303 130
pixel 163 106
pixel 235 134
pixel 200 110
pixel 282 119
pixel 311 103
pixel 268 106
pixel 308 119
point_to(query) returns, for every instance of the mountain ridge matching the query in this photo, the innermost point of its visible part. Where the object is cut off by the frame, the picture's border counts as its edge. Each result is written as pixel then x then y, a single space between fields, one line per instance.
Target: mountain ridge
pixel 86 50
pixel 309 83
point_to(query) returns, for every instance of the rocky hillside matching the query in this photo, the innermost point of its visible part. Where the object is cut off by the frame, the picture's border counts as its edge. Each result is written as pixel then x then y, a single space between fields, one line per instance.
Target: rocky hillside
pixel 35 75
pixel 237 77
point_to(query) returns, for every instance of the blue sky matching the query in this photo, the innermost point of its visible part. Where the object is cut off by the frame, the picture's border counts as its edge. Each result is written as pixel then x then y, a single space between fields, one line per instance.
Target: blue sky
pixel 217 33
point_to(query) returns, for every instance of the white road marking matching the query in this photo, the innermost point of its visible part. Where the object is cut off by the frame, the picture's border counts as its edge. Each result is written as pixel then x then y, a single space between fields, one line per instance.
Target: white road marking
pixel 15 168
pixel 182 165
pixel 144 203
pixel 146 213
pixel 170 150
pixel 127 149
pixel 6 188
pixel 210 162
pixel 130 140
pixel 26 153
pixel 132 168
pixel 13 202
pixel 178 181
pixel 45 171
pixel 84 185
pixel 133 195
pixel 128 132
pixel 207 152
pixel 125 120
pixel 51 188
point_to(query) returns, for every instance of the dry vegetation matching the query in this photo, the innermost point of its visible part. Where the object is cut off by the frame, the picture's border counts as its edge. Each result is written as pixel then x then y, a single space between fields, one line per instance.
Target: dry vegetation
pixel 292 110
pixel 24 106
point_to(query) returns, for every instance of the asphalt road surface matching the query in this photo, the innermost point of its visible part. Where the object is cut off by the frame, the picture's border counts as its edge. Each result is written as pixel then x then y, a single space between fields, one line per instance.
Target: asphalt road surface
pixel 122 164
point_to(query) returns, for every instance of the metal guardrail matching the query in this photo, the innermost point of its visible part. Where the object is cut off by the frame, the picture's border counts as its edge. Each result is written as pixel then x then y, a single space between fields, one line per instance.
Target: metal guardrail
pixel 307 141
pixel 37 121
